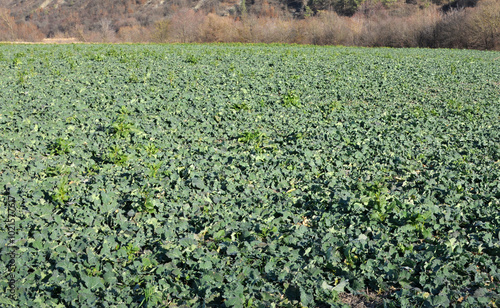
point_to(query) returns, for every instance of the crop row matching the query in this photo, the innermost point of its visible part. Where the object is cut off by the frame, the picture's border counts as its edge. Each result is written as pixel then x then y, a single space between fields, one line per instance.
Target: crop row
pixel 250 175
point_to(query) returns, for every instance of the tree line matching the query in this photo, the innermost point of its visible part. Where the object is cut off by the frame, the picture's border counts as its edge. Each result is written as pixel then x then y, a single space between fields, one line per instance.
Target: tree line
pixel 392 23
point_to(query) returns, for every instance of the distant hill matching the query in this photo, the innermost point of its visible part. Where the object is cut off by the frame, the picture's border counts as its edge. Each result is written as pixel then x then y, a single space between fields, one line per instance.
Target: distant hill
pixel 54 16
pixel 391 23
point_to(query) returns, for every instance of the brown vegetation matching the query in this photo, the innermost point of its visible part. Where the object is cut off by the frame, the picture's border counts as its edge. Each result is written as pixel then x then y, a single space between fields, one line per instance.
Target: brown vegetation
pixel 392 23
pixel 477 27
pixel 12 31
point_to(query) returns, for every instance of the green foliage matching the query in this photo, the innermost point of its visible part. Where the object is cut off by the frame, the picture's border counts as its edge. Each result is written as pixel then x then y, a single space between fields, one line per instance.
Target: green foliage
pixel 97 57
pixel 192 59
pixel 308 12
pixel 291 99
pixel 57 170
pixel 116 155
pixel 60 194
pixel 241 106
pixel 151 296
pixel 151 149
pixel 22 77
pixel 243 9
pixel 148 202
pixel 256 138
pixel 132 251
pixel 282 176
pixel 133 78
pixel 153 169
pixel 60 146
pixel 122 126
pixel 16 61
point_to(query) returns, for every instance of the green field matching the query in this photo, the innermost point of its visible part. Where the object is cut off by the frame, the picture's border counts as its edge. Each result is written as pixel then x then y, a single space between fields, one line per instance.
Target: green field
pixel 250 176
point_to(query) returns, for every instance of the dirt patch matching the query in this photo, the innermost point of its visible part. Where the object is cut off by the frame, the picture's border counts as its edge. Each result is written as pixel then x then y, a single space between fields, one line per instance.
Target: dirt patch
pixel 366 300
pixel 59 40
pixel 66 40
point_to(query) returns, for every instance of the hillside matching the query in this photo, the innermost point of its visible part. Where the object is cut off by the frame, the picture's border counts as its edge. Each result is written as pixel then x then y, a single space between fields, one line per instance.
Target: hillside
pixel 392 23
pixel 52 16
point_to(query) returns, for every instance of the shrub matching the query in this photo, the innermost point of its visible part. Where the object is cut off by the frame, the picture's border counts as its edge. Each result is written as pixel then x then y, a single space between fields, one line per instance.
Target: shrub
pixel 160 33
pixel 450 30
pixel 134 34
pixel 218 29
pixel 483 25
pixel 185 26
pixel 12 31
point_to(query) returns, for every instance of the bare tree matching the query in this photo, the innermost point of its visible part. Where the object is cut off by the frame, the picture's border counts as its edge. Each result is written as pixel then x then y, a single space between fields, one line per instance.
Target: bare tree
pixel 7 26
pixel 107 33
pixel 484 25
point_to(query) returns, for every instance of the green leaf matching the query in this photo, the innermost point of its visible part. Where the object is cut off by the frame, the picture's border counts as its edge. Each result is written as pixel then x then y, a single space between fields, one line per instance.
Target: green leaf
pixel 341 285
pixel 92 282
pixel 232 250
pixel 326 286
pixel 7 301
pixel 234 302
pixel 306 298
pixel 440 301
pixel 198 183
